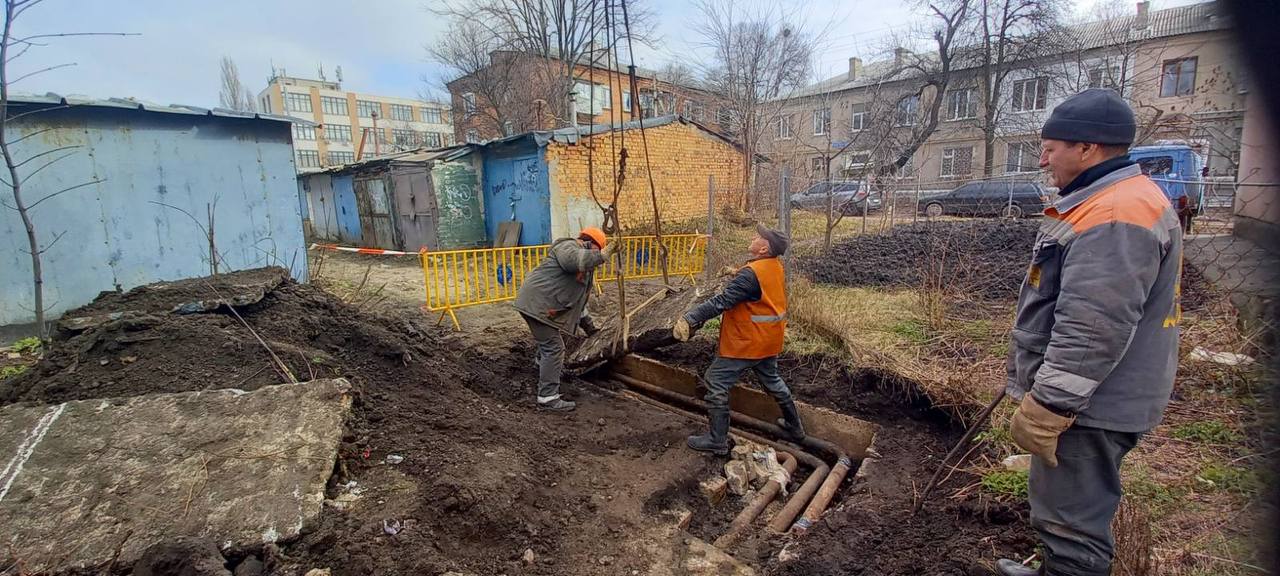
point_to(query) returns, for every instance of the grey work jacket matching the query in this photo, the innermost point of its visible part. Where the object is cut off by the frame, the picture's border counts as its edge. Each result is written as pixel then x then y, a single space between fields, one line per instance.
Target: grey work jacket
pixel 556 291
pixel 1097 331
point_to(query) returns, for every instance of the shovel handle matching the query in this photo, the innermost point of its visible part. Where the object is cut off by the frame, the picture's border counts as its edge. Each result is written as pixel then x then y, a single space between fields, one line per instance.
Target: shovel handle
pixel 964 441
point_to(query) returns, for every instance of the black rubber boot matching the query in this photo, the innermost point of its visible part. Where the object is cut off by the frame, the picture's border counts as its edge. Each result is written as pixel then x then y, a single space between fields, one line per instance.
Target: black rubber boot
pixel 716 441
pixel 1006 567
pixel 790 421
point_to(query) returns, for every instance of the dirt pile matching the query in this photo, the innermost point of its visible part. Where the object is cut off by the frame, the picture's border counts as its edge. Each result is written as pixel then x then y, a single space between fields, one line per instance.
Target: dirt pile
pixel 484 477
pixel 984 259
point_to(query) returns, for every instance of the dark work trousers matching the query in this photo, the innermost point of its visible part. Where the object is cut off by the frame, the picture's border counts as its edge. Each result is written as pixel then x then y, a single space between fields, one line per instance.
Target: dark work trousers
pixel 723 374
pixel 1072 505
pixel 550 343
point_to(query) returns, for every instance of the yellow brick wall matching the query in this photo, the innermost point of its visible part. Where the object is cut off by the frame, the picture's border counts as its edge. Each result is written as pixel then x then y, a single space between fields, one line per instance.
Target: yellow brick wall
pixel 681 157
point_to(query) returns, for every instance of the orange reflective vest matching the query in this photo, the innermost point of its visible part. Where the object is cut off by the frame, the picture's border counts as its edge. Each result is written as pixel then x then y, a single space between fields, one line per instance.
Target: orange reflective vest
pixel 754 330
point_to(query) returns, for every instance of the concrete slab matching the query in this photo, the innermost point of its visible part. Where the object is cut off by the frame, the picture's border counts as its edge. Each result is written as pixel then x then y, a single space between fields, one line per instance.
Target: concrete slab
pixel 88 481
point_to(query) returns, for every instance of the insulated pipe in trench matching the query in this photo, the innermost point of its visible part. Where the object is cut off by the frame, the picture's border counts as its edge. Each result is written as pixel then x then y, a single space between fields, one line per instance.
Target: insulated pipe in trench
pixel 758 504
pixel 795 504
pixel 782 521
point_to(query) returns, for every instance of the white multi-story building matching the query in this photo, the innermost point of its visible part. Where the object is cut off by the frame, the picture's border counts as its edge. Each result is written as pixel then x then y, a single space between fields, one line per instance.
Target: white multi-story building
pixel 351 125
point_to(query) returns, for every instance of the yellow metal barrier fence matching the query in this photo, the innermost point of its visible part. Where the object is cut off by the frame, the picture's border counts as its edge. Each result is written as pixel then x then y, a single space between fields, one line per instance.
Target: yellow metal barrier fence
pixel 459 278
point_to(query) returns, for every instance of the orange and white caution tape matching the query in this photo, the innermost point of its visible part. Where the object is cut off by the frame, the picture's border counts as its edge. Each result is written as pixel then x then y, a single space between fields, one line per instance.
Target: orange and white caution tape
pixel 379 251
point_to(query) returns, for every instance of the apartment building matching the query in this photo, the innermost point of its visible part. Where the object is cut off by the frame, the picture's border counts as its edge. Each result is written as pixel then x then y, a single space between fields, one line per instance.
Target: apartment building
pixel 351 125
pixel 1176 67
pixel 510 96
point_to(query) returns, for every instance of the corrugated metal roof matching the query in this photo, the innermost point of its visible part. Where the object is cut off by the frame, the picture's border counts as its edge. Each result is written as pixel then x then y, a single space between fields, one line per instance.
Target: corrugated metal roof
pixel 571 135
pixel 1191 19
pixel 73 100
pixel 409 156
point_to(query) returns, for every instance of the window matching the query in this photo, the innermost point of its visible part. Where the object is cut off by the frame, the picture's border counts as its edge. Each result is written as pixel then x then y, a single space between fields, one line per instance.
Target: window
pixel 626 101
pixel 784 127
pixel 431 139
pixel 858 160
pixel 818 166
pixel 337 132
pixel 297 102
pixel 469 103
pixel 858 121
pixel 336 158
pixel 646 105
pixel 266 104
pixel 301 132
pixel 907 111
pixel 432 116
pixel 334 105
pixel 308 159
pixel 368 109
pixel 402 112
pixel 821 121
pixel 961 104
pixel 1103 77
pixel 1156 165
pixel 694 110
pixel 1030 94
pixel 1178 78
pixel 1023 157
pixel 956 162
pixel 582 97
pixel 473 136
pixel 404 138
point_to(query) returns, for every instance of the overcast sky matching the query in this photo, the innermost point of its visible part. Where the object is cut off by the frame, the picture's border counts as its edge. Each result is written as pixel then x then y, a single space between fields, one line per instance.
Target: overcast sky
pixel 379 43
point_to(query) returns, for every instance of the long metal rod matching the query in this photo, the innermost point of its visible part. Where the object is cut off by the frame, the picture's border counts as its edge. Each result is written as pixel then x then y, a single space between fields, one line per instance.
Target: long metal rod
pixel 964 441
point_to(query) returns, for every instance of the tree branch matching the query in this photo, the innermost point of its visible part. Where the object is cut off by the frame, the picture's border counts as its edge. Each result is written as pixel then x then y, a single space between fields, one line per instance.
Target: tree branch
pixel 28 39
pixel 36 111
pixel 42 167
pixel 40 71
pixel 46 153
pixel 49 246
pixel 36 133
pixel 63 191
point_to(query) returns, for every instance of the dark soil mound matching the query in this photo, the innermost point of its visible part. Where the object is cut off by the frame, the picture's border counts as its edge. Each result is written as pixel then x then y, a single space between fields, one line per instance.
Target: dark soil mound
pixel 484 476
pixel 986 259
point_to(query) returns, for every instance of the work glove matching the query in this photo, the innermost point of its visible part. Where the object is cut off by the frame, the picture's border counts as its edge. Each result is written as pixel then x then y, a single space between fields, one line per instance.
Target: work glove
pixel 681 331
pixel 609 250
pixel 1036 429
pixel 729 270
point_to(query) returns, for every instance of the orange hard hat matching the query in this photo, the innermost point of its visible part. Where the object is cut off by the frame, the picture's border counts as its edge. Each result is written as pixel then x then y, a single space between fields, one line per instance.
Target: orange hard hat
pixel 595 235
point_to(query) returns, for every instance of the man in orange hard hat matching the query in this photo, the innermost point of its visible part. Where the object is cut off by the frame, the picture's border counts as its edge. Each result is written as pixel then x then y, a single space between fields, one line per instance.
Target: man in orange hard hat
pixel 553 301
pixel 754 305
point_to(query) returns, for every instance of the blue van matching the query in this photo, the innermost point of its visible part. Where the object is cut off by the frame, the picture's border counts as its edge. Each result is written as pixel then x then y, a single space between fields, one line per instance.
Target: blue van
pixel 1178 171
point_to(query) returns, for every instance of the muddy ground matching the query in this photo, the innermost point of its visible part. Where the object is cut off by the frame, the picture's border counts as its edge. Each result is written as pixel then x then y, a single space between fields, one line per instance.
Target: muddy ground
pixel 485 476
pixel 871 531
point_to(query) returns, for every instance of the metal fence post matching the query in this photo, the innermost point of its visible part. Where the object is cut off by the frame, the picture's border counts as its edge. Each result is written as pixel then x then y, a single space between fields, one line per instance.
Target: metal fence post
pixel 711 226
pixel 784 214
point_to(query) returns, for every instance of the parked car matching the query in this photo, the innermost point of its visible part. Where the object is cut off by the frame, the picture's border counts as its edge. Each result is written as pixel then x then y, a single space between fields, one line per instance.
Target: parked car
pixel 848 197
pixel 1178 171
pixel 988 198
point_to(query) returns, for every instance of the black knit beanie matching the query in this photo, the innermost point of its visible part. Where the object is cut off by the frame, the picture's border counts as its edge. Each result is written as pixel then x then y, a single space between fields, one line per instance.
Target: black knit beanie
pixel 1097 116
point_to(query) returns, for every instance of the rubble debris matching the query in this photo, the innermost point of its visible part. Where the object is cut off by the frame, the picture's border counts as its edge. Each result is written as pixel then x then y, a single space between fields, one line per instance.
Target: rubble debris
pixel 1223 358
pixel 739 479
pixel 242 468
pixel 529 557
pixel 714 489
pixel 394 459
pixel 1017 463
pixel 250 566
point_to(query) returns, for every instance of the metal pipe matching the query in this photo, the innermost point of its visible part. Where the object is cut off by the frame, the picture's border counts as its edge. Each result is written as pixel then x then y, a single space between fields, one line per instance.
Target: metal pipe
pixel 823 498
pixel 782 521
pixel 758 504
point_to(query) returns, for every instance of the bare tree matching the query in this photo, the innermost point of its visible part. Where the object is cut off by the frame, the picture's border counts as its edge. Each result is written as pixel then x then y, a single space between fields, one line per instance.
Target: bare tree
pixel 11 48
pixel 1011 35
pixel 759 56
pixel 556 36
pixel 234 94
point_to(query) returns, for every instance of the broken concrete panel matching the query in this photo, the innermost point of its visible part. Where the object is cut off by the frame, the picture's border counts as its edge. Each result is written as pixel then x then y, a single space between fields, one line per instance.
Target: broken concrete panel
pixel 702 559
pixel 713 489
pixel 735 471
pixel 85 479
pixel 650 328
